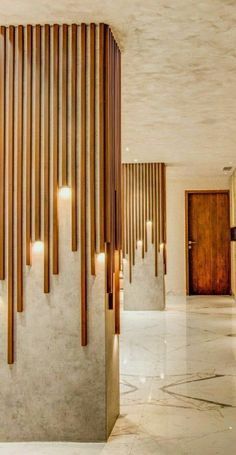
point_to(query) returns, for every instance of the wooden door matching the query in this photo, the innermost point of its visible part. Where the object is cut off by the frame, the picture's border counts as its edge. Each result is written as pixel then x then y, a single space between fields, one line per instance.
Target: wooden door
pixel 208 243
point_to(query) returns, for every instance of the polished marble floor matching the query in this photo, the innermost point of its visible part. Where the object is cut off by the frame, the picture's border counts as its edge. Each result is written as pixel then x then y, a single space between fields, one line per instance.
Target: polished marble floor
pixel 178 384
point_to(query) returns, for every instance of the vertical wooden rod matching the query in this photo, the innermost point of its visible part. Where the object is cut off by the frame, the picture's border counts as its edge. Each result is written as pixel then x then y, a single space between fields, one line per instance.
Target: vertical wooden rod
pixel 83 243
pixel 92 149
pixel 28 238
pixel 102 28
pixel 55 146
pixel 74 137
pixel 46 158
pixel 2 148
pixel 37 138
pixel 19 157
pixel 10 222
pixel 64 107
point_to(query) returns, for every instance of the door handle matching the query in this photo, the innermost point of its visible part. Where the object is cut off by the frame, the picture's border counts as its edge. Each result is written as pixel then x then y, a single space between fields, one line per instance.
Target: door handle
pixel 191 242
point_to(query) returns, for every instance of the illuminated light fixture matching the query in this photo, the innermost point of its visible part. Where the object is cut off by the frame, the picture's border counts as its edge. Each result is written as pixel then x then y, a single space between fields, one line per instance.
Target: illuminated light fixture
pixel 162 376
pixel 127 149
pixel 149 222
pixel 37 246
pixel 101 258
pixel 139 242
pixel 65 192
pixel 135 160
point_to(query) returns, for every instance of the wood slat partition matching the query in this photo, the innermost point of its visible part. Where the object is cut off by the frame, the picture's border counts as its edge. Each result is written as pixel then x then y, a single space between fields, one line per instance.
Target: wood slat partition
pixel 19 154
pixel 144 201
pixel 2 148
pixel 10 189
pixel 40 107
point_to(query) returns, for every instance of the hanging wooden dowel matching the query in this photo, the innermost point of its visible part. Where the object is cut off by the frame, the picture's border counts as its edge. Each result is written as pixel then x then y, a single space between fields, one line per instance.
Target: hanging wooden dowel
pixel 155 217
pixel 127 213
pixel 92 149
pixel 145 208
pixel 64 106
pixel 74 209
pixel 10 192
pixel 55 147
pixel 19 158
pixel 29 63
pixel 2 148
pixel 46 158
pixel 123 190
pixel 102 29
pixel 133 215
pixel 153 195
pixel 83 217
pixel 37 135
pixel 129 223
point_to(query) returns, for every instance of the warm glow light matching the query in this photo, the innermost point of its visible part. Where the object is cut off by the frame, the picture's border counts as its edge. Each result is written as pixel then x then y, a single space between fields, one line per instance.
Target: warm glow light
pixel 38 246
pixel 135 160
pixel 101 257
pixel 65 192
pixel 139 242
pixel 149 222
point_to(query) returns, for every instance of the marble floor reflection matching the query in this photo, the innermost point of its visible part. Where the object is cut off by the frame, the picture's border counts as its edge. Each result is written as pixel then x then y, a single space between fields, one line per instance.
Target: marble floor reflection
pixel 178 384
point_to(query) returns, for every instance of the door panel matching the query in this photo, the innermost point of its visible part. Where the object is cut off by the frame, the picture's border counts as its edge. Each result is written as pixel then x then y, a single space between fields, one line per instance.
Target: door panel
pixel 209 253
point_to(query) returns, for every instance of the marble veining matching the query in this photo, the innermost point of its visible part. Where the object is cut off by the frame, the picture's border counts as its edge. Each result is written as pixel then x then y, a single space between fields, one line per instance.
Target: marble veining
pixel 178 384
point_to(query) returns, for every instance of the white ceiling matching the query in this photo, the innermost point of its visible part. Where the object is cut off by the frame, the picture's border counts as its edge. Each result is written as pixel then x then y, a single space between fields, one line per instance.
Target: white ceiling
pixel 179 74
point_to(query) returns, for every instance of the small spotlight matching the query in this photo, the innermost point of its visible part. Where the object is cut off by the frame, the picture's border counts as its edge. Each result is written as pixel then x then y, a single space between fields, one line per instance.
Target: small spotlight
pixel 149 222
pixel 139 242
pixel 135 160
pixel 101 258
pixel 65 192
pixel 127 149
pixel 37 246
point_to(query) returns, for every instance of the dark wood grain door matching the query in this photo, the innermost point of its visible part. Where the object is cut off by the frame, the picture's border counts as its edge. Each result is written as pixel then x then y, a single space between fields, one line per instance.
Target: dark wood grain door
pixel 208 243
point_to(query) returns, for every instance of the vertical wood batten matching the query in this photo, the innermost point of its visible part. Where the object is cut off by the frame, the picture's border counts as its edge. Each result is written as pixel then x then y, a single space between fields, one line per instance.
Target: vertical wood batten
pixel 10 221
pixel 83 243
pixel 102 28
pixel 92 148
pixel 55 146
pixel 64 106
pixel 2 148
pixel 74 236
pixel 19 158
pixel 37 134
pixel 28 238
pixel 46 158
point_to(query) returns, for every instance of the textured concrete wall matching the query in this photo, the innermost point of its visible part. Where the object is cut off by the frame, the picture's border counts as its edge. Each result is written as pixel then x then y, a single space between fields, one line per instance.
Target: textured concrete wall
pixel 57 390
pixel 146 292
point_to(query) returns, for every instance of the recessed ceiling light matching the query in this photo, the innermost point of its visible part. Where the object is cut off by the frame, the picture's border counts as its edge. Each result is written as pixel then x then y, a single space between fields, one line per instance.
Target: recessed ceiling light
pixel 135 160
pixel 127 149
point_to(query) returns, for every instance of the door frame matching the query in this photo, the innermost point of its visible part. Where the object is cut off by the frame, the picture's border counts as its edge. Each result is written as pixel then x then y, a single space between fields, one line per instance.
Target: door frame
pixel 187 193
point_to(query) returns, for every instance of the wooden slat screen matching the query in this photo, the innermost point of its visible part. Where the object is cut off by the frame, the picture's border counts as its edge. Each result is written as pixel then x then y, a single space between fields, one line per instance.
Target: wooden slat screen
pixel 144 200
pixel 58 83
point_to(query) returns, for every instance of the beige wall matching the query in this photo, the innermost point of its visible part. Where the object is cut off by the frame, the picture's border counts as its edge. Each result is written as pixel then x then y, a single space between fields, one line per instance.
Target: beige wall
pixel 176 271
